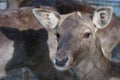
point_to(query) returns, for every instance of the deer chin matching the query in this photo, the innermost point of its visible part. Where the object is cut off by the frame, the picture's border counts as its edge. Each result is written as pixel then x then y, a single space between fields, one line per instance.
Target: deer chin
pixel 64 68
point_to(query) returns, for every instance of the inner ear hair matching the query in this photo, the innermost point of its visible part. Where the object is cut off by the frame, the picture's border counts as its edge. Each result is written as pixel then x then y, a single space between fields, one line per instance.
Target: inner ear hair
pixel 102 17
pixel 48 18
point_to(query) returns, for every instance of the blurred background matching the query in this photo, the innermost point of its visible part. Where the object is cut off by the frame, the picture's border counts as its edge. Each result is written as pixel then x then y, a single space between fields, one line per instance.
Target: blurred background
pixel 5 4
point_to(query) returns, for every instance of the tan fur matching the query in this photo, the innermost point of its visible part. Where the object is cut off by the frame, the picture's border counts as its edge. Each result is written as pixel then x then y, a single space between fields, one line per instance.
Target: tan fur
pixel 85 56
pixel 109 37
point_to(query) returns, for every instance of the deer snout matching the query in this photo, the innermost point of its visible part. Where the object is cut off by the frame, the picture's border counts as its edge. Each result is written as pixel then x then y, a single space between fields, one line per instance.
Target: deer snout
pixel 61 62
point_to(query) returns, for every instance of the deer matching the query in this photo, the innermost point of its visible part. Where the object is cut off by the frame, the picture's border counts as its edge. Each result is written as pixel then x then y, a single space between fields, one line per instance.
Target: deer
pixel 79 47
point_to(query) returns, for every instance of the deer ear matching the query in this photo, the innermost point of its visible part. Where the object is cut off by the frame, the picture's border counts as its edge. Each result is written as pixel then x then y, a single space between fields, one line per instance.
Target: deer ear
pixel 47 18
pixel 102 17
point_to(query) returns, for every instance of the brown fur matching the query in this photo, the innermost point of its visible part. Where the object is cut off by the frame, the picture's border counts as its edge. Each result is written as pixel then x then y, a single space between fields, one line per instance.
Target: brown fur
pixel 85 55
pixel 109 37
pixel 13 4
pixel 22 17
pixel 105 34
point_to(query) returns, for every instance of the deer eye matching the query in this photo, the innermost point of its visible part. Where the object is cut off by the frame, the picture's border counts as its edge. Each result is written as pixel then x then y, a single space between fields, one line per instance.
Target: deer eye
pixel 87 35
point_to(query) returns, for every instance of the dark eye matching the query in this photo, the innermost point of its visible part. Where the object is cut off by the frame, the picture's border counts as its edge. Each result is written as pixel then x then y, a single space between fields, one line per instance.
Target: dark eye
pixel 58 36
pixel 87 35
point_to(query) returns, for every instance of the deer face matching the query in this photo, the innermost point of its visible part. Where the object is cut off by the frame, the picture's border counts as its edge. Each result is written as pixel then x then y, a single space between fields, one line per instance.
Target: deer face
pixel 76 36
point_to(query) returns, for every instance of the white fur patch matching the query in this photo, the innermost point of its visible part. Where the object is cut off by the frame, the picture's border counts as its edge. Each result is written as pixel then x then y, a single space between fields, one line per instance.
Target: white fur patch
pixel 114 78
pixel 62 68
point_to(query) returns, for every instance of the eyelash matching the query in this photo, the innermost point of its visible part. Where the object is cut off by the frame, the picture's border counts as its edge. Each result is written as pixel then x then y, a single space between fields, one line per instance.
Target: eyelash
pixel 87 35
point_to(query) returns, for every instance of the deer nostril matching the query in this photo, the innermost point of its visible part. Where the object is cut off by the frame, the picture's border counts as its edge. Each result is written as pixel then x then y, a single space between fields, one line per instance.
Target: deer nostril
pixel 61 62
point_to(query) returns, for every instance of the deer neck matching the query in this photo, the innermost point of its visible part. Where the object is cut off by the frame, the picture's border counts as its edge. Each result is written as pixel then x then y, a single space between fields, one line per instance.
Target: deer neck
pixel 93 64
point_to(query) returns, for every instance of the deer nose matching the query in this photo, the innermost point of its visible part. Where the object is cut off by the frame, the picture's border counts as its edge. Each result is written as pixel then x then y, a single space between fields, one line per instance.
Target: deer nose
pixel 61 62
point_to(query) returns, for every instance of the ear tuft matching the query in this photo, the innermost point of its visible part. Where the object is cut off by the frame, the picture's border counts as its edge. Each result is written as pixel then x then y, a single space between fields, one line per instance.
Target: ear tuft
pixel 47 18
pixel 102 17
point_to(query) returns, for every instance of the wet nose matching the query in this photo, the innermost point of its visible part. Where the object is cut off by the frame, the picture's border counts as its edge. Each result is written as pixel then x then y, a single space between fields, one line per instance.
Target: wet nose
pixel 61 62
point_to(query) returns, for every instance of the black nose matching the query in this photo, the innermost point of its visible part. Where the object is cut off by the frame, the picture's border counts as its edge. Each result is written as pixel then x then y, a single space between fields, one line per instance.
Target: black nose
pixel 61 62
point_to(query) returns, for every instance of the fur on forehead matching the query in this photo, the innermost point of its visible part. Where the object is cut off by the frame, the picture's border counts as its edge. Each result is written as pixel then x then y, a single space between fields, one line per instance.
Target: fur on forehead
pixel 85 18
pixel 64 17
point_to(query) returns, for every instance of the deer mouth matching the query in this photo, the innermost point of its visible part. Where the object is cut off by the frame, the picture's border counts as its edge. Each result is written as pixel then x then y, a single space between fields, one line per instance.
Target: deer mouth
pixel 63 64
pixel 64 68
